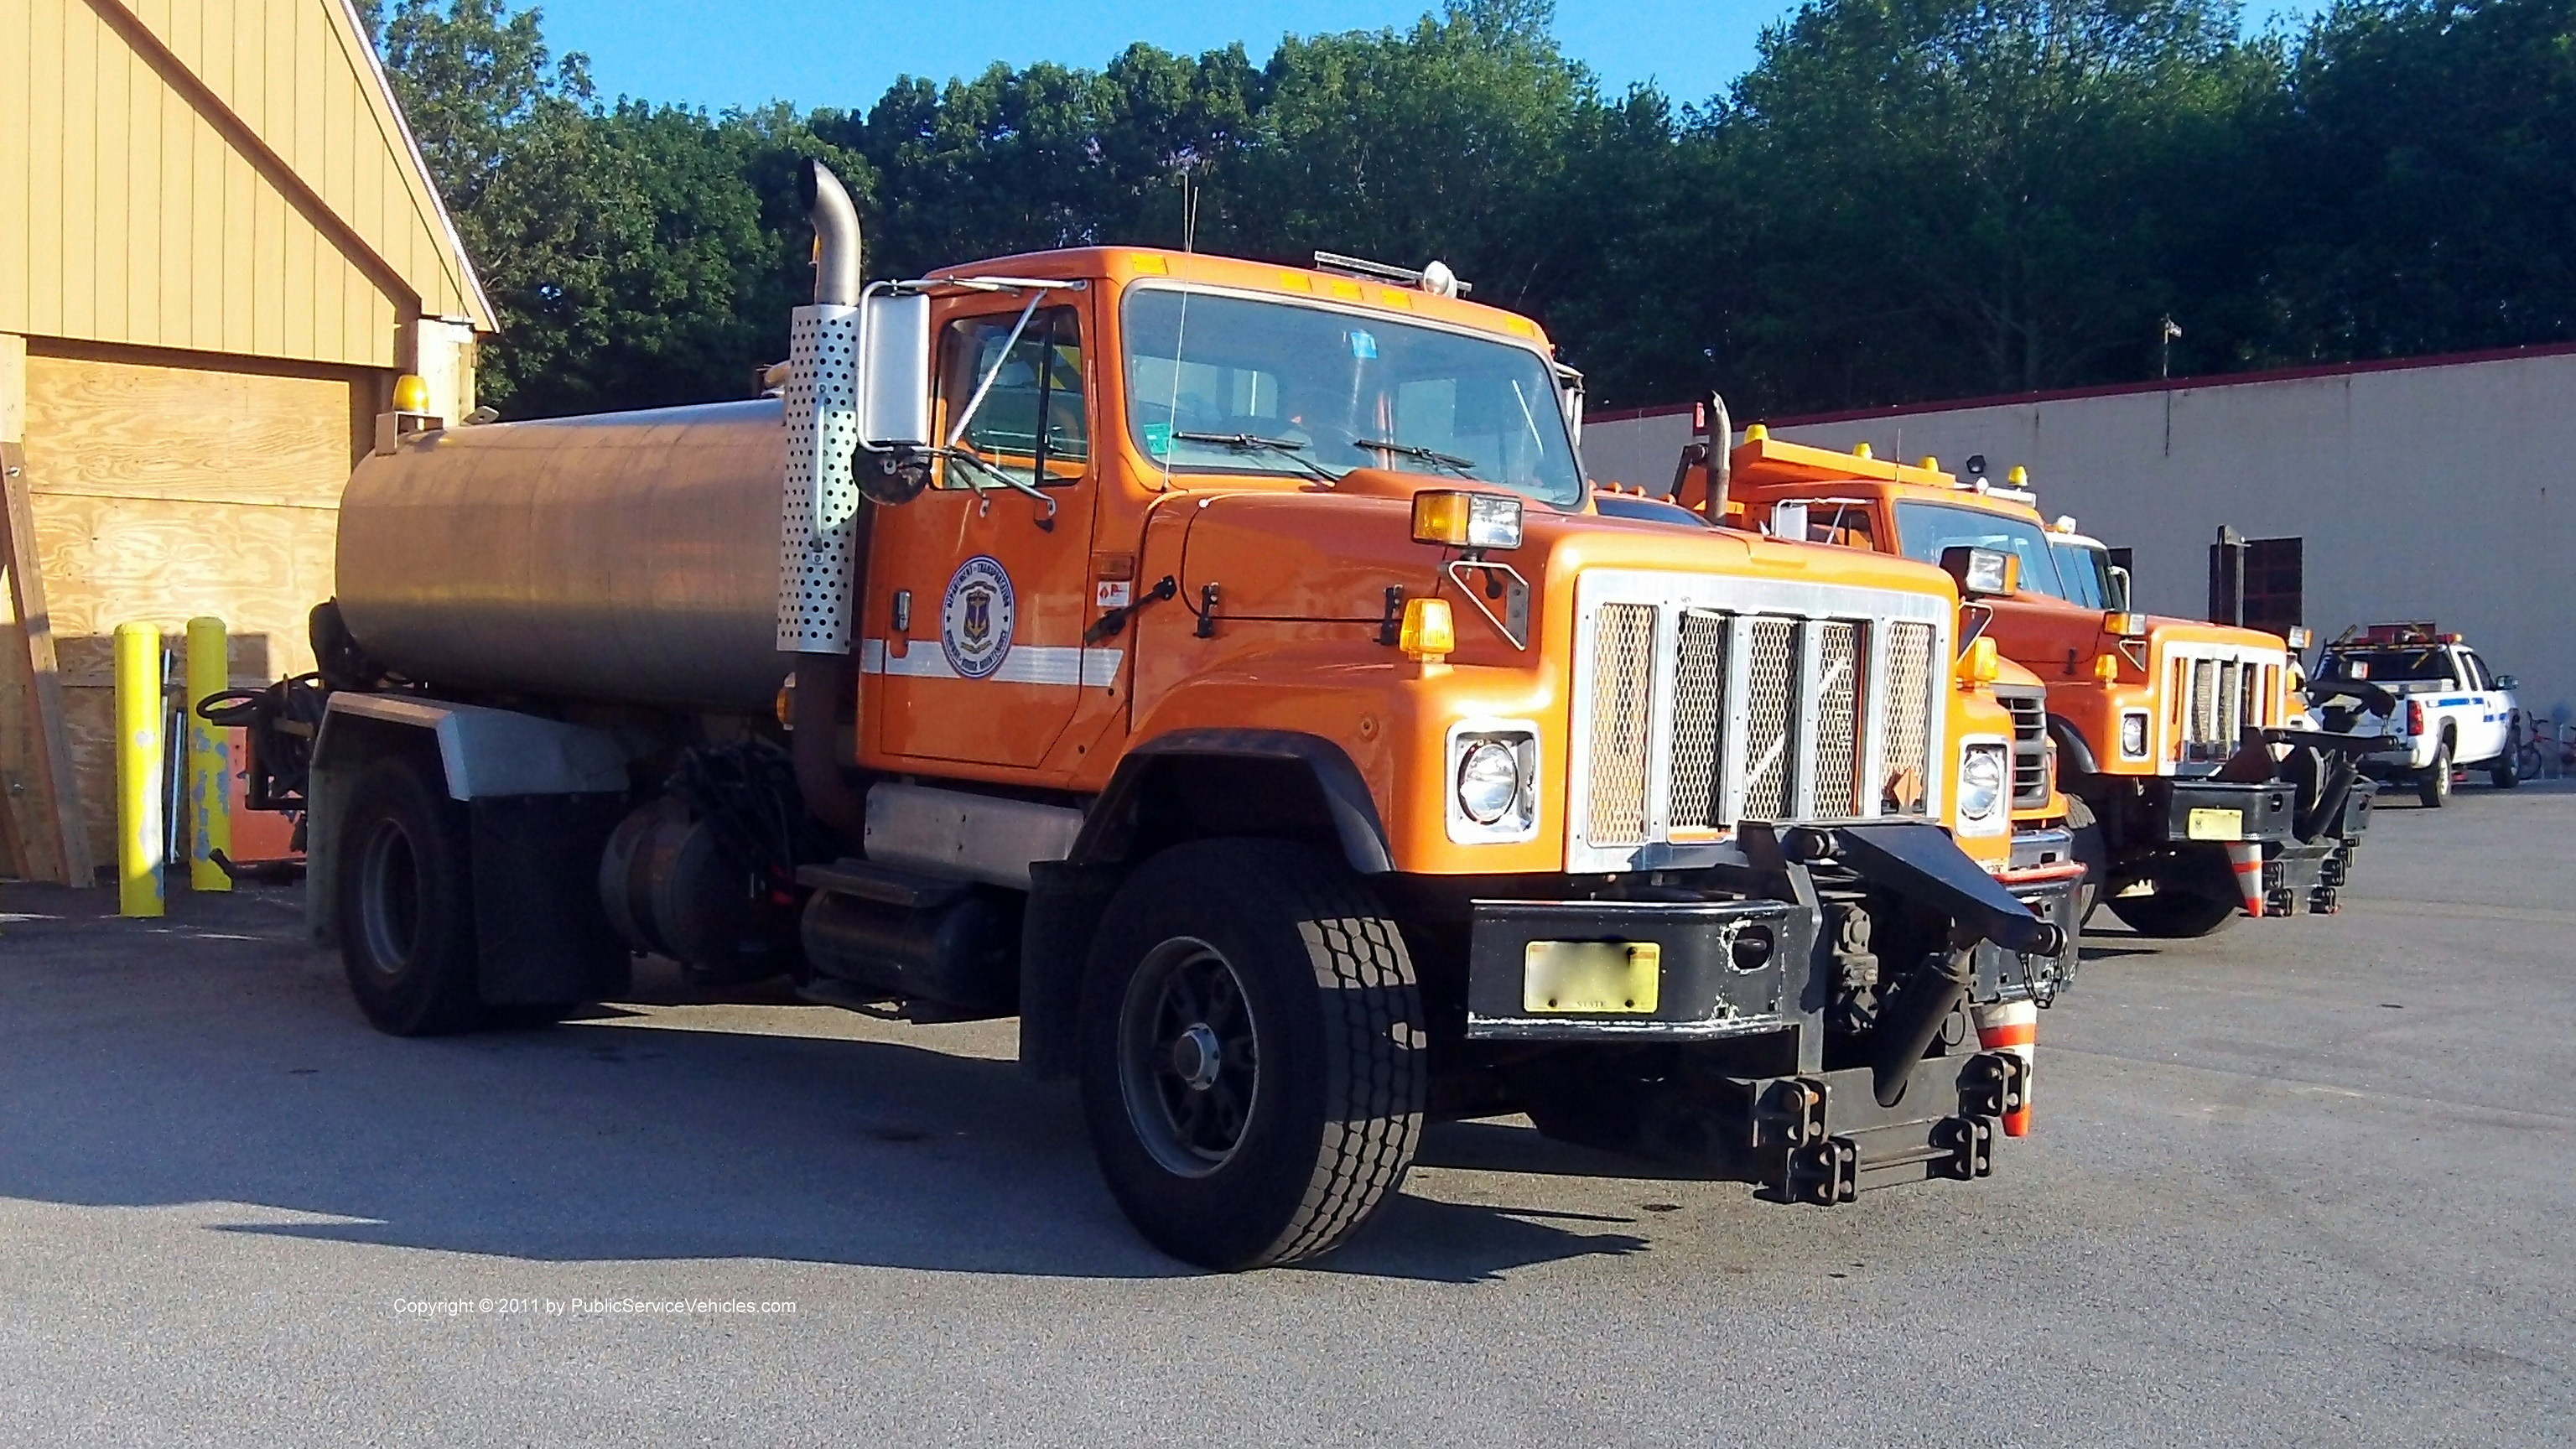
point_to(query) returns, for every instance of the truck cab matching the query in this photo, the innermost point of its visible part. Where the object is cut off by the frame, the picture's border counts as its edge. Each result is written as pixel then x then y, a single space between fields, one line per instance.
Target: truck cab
pixel 2170 734
pixel 2446 711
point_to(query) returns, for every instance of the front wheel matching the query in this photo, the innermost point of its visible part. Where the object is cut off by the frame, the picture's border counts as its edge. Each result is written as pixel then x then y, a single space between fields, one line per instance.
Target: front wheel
pixel 2434 787
pixel 2186 900
pixel 1253 1053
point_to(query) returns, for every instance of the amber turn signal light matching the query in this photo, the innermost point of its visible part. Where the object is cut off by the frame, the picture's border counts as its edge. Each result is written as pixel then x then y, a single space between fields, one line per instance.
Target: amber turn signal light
pixel 1430 633
pixel 1980 665
pixel 1466 520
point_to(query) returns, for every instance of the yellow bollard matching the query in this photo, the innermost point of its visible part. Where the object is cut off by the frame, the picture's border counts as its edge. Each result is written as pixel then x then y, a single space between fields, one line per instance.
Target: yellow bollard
pixel 138 770
pixel 210 760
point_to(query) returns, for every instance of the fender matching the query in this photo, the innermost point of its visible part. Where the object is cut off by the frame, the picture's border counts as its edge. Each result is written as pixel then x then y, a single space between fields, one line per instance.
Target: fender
pixel 1108 832
pixel 1067 897
pixel 541 797
pixel 2073 752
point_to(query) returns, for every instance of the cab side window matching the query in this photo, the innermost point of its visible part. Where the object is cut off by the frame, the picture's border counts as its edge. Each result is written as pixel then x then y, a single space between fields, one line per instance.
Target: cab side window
pixel 1039 376
pixel 2473 671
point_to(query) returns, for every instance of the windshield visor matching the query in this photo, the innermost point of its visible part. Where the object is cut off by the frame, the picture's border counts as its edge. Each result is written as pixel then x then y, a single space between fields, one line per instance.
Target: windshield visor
pixel 1220 384
pixel 1926 530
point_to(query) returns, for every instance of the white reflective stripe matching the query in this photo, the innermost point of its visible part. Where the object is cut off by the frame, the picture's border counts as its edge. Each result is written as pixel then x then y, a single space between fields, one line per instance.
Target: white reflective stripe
pixel 1026 663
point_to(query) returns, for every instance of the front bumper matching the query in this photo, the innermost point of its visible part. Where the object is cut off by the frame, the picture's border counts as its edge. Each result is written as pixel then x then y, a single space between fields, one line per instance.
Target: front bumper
pixel 1726 967
pixel 2305 862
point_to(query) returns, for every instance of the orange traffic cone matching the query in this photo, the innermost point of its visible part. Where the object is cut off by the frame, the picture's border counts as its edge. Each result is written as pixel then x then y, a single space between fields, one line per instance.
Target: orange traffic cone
pixel 2245 857
pixel 2012 1026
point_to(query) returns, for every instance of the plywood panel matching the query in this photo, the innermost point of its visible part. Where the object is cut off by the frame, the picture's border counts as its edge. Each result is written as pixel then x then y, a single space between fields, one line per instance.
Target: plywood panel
pixel 131 430
pixel 259 568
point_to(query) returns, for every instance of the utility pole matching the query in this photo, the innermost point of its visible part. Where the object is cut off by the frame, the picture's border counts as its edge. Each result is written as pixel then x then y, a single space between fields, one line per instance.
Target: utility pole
pixel 2165 335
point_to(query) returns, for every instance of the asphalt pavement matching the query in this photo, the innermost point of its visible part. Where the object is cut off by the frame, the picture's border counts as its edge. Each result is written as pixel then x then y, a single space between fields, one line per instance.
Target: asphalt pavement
pixel 2303 1182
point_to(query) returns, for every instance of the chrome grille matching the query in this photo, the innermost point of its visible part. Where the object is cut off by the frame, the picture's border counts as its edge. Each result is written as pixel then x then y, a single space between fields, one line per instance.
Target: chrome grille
pixel 1696 715
pixel 1906 753
pixel 2222 702
pixel 1623 672
pixel 1770 729
pixel 1699 720
pixel 2029 712
pixel 1838 666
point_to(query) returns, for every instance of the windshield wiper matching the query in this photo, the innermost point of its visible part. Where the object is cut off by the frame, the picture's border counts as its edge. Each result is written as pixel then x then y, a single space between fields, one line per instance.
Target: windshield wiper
pixel 1451 461
pixel 1288 448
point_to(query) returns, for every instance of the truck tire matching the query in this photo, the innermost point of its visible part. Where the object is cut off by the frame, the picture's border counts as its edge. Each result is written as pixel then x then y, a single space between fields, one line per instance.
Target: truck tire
pixel 2193 901
pixel 2433 787
pixel 1253 1052
pixel 406 903
pixel 2508 770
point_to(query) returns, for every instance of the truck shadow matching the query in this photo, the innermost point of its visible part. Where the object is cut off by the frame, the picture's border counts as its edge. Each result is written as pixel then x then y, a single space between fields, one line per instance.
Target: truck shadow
pixel 212 1061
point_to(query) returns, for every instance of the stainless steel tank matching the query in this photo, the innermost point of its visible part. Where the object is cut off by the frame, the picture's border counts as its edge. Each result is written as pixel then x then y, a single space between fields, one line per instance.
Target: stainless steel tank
pixel 627 556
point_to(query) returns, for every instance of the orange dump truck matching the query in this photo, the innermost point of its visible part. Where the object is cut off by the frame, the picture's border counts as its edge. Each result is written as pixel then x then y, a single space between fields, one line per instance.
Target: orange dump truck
pixel 1222 668
pixel 2194 797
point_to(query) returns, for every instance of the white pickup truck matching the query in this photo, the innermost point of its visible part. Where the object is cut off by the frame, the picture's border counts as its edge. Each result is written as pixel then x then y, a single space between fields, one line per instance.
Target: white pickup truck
pixel 2447 712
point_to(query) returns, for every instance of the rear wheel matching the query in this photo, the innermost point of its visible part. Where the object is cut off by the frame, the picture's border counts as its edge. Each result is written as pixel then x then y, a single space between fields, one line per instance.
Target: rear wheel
pixel 406 904
pixel 1253 1053
pixel 2188 898
pixel 2433 787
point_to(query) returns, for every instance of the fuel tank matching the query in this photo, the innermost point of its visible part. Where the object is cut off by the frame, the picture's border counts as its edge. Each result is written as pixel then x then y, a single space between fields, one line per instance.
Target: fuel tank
pixel 624 557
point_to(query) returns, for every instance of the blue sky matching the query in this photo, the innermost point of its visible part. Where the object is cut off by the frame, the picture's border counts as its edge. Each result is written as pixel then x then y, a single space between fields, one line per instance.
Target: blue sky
pixel 721 53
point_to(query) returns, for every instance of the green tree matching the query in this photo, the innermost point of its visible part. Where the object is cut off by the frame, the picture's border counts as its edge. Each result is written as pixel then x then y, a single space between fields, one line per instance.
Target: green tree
pixel 2429 156
pixel 1963 196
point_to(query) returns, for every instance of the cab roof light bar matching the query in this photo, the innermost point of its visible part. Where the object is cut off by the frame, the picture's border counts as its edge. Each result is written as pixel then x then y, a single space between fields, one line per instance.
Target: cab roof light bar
pixel 1435 278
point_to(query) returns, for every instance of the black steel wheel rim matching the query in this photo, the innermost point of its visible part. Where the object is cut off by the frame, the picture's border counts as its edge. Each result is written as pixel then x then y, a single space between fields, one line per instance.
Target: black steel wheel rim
pixel 389 905
pixel 1189 1061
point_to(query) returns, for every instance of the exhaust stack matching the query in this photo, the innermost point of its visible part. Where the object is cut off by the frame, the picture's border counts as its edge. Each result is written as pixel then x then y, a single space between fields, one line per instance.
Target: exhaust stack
pixel 823 521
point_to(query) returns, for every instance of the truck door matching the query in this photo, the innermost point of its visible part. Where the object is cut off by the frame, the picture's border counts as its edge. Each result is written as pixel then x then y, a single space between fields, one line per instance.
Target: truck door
pixel 977 590
pixel 2484 730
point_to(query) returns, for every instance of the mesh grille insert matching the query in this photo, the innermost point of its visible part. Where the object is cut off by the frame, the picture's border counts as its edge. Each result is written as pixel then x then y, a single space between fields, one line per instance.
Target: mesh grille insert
pixel 1909 718
pixel 1699 722
pixel 1623 664
pixel 1837 722
pixel 1770 743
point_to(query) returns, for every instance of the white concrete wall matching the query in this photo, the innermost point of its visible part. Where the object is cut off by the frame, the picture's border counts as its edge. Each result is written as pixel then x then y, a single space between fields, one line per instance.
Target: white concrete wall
pixel 1639 452
pixel 2438 492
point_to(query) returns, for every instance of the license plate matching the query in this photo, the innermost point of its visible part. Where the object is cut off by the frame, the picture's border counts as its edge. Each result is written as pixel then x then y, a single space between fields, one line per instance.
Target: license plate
pixel 2215 825
pixel 1591 977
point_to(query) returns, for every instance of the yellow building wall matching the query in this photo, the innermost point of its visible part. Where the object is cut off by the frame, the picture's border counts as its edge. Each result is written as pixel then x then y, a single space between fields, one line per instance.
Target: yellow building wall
pixel 214 175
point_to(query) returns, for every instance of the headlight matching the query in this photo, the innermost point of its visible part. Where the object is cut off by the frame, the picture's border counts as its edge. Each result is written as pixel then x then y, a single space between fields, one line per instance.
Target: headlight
pixel 2133 734
pixel 1493 781
pixel 1982 776
pixel 1489 781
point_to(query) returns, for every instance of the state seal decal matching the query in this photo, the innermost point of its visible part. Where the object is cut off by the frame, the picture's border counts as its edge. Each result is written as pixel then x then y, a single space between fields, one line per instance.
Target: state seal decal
pixel 975 618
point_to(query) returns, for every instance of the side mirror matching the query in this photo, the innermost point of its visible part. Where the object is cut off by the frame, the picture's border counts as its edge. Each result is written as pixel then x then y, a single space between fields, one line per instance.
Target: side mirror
pixel 2118 587
pixel 894 371
pixel 2508 683
pixel 1789 520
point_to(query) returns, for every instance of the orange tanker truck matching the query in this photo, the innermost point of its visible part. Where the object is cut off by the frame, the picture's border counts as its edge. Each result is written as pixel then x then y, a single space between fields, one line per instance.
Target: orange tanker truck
pixel 2194 796
pixel 1220 667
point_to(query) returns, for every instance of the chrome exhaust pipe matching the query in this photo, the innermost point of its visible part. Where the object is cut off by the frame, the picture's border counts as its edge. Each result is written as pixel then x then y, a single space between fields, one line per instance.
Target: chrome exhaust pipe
pixel 837 274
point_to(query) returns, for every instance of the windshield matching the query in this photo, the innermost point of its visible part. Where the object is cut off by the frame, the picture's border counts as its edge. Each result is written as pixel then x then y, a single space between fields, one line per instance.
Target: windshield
pixel 2392 666
pixel 1233 385
pixel 1924 530
pixel 2085 571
